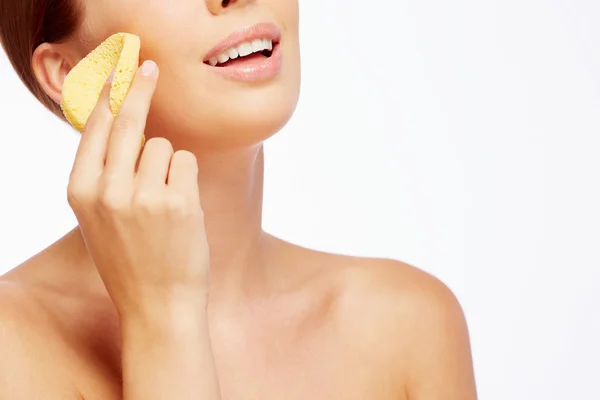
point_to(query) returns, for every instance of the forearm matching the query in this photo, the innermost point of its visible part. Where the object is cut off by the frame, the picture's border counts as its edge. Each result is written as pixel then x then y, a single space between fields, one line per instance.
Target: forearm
pixel 168 355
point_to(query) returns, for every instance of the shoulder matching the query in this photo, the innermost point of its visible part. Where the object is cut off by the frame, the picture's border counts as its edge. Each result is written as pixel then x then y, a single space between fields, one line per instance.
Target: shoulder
pixel 399 295
pixel 413 321
pixel 399 290
pixel 22 328
pixel 19 308
pixel 29 364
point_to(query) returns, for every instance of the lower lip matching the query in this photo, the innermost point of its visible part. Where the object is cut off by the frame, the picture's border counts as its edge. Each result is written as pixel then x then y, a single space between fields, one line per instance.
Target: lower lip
pixel 253 70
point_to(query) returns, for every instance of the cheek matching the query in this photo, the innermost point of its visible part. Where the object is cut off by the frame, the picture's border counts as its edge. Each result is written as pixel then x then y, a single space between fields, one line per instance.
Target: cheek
pixel 288 13
pixel 165 17
pixel 167 32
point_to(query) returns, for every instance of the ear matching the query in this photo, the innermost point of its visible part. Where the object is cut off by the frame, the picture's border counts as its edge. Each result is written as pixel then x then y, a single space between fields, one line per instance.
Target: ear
pixel 51 65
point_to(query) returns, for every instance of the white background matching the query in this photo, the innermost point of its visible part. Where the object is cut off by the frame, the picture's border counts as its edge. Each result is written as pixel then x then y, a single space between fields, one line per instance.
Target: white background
pixel 459 136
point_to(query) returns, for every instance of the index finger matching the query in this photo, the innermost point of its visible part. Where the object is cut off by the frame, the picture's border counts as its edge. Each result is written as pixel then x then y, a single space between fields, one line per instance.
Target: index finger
pixel 127 131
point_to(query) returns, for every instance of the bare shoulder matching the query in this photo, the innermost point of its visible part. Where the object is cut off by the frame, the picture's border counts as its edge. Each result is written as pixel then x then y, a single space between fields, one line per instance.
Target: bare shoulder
pixel 399 290
pixel 413 321
pixel 21 318
pixel 29 367
pixel 401 324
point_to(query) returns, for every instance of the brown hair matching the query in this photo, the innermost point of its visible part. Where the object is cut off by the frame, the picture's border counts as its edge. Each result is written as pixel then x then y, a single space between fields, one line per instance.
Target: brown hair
pixel 24 25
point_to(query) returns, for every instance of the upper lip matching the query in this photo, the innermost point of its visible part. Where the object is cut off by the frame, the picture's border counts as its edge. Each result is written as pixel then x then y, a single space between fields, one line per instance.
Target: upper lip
pixel 265 30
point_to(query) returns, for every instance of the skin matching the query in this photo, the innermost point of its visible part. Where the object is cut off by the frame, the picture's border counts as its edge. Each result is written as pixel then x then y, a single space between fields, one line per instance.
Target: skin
pixel 218 308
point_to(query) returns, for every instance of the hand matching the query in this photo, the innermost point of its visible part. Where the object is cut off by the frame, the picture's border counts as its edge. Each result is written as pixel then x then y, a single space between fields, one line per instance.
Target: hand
pixel 144 227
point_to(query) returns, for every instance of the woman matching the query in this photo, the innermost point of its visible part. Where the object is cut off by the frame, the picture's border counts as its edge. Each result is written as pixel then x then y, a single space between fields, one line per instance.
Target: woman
pixel 122 306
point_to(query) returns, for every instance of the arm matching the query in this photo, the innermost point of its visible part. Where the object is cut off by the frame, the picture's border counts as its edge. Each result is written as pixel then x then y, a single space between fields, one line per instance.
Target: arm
pixel 167 355
pixel 441 365
pixel 144 230
pixel 139 212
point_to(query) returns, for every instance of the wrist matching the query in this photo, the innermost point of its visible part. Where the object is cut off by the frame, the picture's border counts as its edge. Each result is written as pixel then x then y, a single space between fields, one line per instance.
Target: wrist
pixel 177 314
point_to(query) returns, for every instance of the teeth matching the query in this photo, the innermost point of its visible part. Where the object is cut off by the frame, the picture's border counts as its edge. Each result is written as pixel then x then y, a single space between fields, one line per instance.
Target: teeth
pixel 243 50
pixel 223 57
pixel 268 44
pixel 258 45
pixel 233 53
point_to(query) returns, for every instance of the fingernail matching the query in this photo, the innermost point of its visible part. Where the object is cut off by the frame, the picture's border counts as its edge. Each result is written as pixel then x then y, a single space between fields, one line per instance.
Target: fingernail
pixel 149 68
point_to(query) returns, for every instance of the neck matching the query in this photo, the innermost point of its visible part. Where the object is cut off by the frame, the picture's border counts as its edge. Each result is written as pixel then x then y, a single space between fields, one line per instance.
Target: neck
pixel 231 193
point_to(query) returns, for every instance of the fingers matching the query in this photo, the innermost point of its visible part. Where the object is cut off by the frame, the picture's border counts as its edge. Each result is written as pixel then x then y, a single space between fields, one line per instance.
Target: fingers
pixel 110 146
pixel 154 163
pixel 91 153
pixel 128 127
pixel 183 174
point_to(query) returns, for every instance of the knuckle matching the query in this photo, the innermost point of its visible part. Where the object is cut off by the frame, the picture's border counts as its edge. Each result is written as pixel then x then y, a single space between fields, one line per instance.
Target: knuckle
pixel 123 124
pixel 147 201
pixel 112 199
pixel 78 195
pixel 178 206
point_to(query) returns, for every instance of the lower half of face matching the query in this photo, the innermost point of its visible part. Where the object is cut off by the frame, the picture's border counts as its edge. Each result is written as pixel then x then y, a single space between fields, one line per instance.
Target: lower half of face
pixel 242 102
pixel 227 78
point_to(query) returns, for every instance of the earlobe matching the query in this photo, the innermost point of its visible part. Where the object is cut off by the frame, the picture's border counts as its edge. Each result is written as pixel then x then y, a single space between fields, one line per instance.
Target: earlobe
pixel 50 68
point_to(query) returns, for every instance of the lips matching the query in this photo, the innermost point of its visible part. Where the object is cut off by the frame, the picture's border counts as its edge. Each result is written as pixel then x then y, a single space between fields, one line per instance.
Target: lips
pixel 251 54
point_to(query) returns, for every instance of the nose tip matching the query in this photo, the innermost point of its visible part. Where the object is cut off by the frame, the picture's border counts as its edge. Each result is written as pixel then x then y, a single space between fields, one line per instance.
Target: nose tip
pixel 219 6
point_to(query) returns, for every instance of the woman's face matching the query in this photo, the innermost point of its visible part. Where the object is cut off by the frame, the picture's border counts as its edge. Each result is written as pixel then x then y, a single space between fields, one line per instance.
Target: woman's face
pixel 230 104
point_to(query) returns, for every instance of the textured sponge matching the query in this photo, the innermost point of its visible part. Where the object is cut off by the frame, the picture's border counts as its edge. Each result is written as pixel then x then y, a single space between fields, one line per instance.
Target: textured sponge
pixel 83 84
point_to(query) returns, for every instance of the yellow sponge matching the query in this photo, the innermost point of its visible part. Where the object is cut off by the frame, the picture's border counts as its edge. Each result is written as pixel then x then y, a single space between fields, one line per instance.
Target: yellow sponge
pixel 83 84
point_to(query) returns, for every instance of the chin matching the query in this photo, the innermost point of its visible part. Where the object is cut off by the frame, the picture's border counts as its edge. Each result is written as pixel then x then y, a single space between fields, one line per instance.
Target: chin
pixel 254 115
